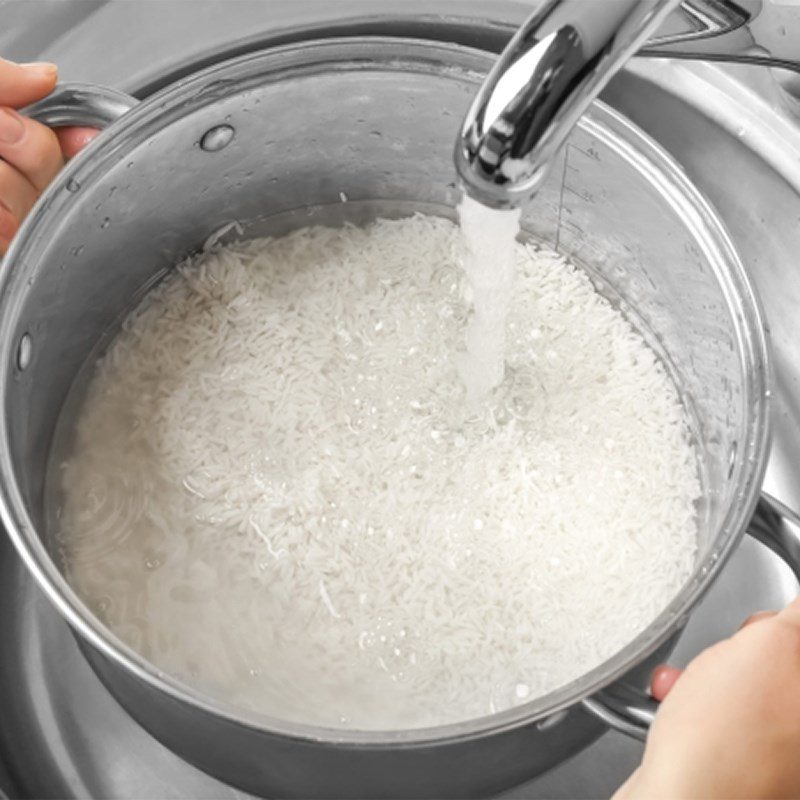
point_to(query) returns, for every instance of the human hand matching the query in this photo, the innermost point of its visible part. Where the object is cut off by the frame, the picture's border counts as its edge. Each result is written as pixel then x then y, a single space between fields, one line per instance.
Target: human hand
pixel 729 725
pixel 30 153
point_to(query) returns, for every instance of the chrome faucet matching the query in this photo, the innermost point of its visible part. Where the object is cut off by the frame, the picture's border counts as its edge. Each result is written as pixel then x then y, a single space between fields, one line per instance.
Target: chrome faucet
pixel 568 50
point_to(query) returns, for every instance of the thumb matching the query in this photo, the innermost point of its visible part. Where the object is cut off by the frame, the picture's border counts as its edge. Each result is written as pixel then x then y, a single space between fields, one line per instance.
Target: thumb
pixel 21 84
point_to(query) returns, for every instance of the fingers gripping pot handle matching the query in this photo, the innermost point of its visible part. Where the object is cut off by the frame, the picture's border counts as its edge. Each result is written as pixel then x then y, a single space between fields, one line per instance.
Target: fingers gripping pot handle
pixel 81 104
pixel 630 710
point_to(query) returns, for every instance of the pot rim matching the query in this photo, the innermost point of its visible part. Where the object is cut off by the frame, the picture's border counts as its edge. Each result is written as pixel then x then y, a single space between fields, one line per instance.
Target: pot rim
pixel 652 162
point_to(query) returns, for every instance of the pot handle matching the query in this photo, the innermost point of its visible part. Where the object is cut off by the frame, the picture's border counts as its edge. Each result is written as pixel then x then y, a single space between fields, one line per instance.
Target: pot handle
pixel 81 104
pixel 630 710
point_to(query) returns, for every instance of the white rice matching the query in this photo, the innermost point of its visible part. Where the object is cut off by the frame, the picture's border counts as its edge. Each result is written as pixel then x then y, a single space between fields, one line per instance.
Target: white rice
pixel 279 495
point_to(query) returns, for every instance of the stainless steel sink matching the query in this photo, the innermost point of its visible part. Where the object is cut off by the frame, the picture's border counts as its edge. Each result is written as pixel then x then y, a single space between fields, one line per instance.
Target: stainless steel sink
pixel 734 131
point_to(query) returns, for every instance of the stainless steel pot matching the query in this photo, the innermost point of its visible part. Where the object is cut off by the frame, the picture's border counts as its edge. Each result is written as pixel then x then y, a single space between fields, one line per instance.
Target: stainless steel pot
pixel 271 140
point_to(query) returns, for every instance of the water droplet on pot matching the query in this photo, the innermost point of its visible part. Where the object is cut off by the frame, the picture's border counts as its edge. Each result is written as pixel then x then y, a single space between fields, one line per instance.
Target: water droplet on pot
pixel 24 351
pixel 105 223
pixel 76 251
pixel 73 185
pixel 217 138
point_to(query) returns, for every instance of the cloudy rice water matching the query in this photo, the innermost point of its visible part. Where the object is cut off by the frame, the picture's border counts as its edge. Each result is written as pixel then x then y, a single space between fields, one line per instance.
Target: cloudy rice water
pixel 279 494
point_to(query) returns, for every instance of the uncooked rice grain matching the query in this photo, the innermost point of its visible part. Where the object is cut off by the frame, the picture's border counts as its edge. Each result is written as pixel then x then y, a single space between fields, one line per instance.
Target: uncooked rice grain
pixel 278 494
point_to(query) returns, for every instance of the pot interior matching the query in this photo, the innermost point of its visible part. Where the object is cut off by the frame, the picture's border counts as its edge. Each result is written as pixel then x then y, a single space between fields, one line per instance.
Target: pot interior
pixel 347 132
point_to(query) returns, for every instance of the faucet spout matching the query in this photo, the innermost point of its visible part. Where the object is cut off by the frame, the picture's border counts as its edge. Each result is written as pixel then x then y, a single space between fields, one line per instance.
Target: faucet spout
pixel 556 64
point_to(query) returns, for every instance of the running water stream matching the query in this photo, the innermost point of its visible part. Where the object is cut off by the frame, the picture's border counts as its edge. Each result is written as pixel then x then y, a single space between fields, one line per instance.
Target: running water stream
pixel 490 239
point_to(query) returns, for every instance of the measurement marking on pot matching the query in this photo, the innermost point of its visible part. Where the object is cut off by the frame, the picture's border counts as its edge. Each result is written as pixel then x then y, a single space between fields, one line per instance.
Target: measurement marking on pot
pixel 581 195
pixel 561 196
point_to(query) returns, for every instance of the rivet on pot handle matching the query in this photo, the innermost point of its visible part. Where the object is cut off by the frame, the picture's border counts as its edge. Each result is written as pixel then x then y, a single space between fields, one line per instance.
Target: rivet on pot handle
pixel 81 104
pixel 631 711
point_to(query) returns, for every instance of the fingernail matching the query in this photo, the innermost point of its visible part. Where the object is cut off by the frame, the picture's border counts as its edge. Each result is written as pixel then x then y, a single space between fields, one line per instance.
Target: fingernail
pixel 11 127
pixel 43 68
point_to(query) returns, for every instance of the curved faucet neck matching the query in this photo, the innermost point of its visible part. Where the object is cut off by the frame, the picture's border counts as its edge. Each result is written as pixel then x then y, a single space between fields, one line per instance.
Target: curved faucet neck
pixel 556 64
pixel 568 50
